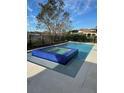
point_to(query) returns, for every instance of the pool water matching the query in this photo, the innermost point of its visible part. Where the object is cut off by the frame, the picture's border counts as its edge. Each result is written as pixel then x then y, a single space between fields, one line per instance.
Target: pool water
pixel 58 50
pixel 83 49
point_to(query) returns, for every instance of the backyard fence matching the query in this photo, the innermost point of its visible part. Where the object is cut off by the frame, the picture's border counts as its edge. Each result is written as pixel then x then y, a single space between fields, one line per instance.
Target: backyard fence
pixel 39 40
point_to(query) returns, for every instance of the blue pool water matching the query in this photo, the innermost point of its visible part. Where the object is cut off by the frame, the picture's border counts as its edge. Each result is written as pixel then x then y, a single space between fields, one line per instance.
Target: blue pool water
pixel 81 46
pixel 83 49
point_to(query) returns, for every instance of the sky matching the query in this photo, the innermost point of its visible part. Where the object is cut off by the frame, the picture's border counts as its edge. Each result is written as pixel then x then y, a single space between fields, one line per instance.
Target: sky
pixel 83 13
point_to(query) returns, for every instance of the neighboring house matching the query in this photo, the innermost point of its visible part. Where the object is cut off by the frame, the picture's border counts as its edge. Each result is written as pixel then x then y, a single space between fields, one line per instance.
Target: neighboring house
pixel 88 31
pixel 74 32
pixel 84 31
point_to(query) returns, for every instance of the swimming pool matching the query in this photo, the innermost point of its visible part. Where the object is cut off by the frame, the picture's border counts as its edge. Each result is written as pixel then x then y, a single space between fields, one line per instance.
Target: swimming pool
pixel 73 65
pixel 62 53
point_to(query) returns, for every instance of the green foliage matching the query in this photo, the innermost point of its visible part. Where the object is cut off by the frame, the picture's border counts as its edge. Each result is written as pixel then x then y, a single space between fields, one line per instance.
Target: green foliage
pixel 62 38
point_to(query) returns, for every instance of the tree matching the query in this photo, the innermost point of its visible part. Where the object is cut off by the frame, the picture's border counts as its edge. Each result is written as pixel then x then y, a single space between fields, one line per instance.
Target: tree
pixel 53 16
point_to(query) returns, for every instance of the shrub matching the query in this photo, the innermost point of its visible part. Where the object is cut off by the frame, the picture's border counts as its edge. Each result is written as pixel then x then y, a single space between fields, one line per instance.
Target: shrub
pixel 54 39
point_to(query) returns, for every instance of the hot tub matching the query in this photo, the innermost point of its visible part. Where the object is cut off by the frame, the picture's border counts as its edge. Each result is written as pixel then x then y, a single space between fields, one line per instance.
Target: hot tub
pixel 56 54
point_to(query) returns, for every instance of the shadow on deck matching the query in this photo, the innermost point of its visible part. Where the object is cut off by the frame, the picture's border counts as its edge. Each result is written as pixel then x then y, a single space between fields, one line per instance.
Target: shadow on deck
pixel 49 81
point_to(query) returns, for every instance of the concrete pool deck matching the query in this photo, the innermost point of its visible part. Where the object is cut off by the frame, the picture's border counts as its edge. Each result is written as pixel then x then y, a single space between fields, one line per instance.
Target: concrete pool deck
pixel 43 80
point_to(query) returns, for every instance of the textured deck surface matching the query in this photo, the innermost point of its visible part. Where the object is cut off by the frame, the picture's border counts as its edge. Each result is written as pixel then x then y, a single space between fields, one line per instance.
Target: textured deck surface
pixel 42 80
